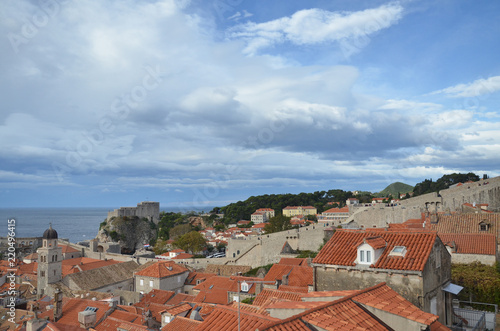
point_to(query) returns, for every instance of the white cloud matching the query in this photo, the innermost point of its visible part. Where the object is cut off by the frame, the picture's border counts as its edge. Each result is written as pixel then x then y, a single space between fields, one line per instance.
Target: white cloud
pixel 315 26
pixel 477 88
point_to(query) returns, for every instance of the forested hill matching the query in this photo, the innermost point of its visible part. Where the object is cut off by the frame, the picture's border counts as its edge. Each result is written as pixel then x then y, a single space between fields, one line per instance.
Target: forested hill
pixel 242 210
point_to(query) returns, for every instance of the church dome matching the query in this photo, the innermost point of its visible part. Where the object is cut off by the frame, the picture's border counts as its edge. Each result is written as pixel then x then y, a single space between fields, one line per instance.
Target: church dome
pixel 50 233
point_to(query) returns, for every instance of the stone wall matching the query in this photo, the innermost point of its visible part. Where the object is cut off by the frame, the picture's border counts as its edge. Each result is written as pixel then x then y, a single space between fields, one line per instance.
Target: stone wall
pixel 266 249
pixel 483 191
pixel 147 209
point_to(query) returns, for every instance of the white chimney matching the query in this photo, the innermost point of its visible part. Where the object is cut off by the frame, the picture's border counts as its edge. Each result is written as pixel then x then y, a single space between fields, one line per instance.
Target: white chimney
pixel 86 319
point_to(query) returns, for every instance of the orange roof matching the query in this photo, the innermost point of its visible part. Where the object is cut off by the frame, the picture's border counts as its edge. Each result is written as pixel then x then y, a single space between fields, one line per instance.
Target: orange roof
pixel 155 296
pixel 384 298
pixel 258 226
pixel 182 323
pixel 297 207
pixel 300 276
pixel 71 308
pixel 268 293
pixel 126 316
pixel 113 323
pixel 293 261
pixel 162 269
pixel 336 210
pixel 68 249
pixel 177 309
pixel 470 243
pixel 466 223
pixel 376 242
pixel 226 318
pixel 297 289
pixel 195 276
pixel 178 250
pixel 78 264
pixel 265 209
pixel 349 313
pixel 250 308
pixel 180 297
pixel 329 294
pixel 181 256
pixel 341 249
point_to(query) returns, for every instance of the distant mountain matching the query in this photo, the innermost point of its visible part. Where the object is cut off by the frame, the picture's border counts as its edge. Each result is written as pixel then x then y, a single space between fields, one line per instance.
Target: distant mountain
pixel 394 189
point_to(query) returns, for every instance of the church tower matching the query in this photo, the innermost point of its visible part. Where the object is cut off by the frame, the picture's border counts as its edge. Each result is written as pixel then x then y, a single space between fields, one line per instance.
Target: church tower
pixel 49 262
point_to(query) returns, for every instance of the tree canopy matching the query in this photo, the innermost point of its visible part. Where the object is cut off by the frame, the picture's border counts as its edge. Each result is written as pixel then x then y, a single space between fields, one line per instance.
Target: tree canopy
pixel 278 223
pixel 191 242
pixel 429 186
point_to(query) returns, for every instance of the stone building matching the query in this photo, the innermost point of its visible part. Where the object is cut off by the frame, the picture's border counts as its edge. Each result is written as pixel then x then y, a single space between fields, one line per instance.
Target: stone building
pixel 415 264
pixel 163 275
pixel 49 262
pixel 147 209
pixel 290 211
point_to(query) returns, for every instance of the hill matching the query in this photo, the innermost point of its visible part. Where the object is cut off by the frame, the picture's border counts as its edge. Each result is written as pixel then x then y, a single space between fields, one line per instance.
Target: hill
pixel 394 189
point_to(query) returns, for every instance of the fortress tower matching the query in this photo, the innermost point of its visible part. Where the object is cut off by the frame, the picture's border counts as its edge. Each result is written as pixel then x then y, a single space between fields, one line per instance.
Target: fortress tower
pixel 49 262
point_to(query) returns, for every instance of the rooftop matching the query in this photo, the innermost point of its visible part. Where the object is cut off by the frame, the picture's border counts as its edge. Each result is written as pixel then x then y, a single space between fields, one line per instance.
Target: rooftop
pixel 341 249
pixel 162 269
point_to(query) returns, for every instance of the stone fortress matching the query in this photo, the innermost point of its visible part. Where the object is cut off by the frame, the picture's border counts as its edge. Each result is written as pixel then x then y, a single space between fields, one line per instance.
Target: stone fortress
pixel 147 209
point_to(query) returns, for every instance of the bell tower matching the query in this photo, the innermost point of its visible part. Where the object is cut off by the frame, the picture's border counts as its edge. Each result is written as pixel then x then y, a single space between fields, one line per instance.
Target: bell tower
pixel 49 262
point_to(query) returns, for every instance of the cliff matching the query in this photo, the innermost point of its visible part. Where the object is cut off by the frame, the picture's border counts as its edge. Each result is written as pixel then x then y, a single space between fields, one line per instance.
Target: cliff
pixel 131 232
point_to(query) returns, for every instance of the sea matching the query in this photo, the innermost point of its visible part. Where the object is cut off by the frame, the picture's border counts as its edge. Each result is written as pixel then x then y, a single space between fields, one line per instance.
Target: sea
pixel 74 224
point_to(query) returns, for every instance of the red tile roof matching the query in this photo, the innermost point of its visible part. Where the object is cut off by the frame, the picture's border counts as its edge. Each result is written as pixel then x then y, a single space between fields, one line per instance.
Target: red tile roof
pixel 470 243
pixel 297 289
pixel 384 298
pixel 113 323
pixel 336 210
pixel 466 223
pixel 341 249
pixel 349 313
pixel 182 323
pixel 180 297
pixel 162 269
pixel 300 276
pixel 177 309
pixel 376 242
pixel 68 249
pixel 268 293
pixel 292 261
pixel 155 296
pixel 250 308
pixel 71 308
pixel 226 318
pixel 181 256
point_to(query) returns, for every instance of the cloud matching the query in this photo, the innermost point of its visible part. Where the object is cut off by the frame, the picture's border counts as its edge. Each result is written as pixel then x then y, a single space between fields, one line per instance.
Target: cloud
pixel 316 26
pixel 477 88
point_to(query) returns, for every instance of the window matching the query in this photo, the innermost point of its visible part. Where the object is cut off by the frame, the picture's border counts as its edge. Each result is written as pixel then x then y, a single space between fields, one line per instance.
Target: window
pixel 42 273
pixel 150 283
pixel 178 279
pixel 141 282
pixel 93 309
pixel 368 256
pixel 244 287
pixel 361 256
pixel 398 251
pixel 483 227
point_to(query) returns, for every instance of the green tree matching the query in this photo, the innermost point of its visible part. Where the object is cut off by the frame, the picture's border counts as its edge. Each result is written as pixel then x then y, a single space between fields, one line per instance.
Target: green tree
pixel 278 223
pixel 179 230
pixel 191 242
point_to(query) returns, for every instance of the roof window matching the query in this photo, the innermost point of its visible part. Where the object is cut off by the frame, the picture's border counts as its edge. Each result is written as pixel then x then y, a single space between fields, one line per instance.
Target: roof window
pixel 398 251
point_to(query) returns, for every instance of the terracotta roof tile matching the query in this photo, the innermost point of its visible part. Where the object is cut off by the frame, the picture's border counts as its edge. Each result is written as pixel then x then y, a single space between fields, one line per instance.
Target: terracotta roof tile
pixel 162 269
pixel 342 210
pixel 297 289
pixel 71 308
pixel 384 298
pixel 68 249
pixel 471 243
pixel 226 318
pixel 376 242
pixel 299 276
pixel 341 249
pixel 250 308
pixel 466 223
pixel 155 296
pixel 182 323
pixel 180 297
pixel 177 309
pixel 292 261
pixel 267 293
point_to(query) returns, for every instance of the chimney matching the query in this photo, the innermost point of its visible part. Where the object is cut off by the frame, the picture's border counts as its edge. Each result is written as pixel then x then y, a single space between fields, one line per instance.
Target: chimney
pixel 285 280
pixel 57 305
pixel 35 324
pixel 87 319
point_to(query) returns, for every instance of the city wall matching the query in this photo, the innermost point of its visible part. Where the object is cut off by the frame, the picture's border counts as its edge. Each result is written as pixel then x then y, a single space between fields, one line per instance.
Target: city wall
pixel 267 248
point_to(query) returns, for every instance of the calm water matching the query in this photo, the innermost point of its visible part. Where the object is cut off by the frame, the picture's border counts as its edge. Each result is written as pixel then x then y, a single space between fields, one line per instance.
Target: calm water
pixel 75 224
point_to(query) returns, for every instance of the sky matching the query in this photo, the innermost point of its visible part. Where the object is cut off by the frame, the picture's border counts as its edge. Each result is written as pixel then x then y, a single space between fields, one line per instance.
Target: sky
pixel 207 102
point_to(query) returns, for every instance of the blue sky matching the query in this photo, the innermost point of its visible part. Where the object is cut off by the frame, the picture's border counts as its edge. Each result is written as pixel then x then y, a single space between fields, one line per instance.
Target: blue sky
pixel 209 102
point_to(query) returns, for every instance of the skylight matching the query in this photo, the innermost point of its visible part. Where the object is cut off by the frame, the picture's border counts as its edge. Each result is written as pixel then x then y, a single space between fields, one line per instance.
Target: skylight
pixel 398 251
pixel 94 309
